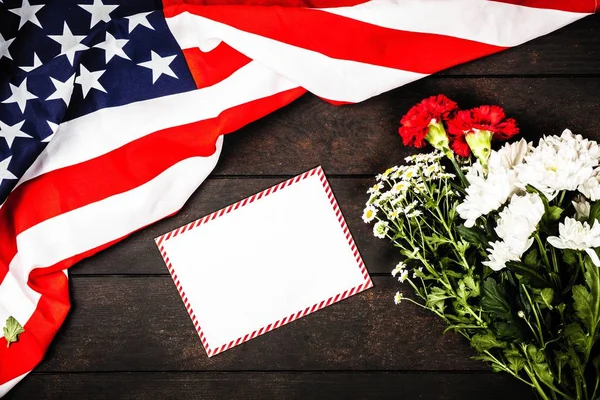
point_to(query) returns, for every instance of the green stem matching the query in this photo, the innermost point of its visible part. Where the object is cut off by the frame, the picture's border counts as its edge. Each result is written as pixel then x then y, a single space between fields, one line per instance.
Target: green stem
pixel 459 172
pixel 537 319
pixel 542 249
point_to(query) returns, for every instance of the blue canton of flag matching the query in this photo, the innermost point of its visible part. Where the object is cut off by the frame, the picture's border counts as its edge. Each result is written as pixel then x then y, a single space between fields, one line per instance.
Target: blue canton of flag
pixel 62 59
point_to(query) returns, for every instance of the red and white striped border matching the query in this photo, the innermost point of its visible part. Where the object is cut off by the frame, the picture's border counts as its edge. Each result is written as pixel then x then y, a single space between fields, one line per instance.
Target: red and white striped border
pixel 308 310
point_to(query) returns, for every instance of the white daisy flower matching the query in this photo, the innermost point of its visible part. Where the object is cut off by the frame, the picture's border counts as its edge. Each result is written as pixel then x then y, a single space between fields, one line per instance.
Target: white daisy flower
pixel 575 235
pixel 398 298
pixel 369 214
pixel 403 276
pixel 375 188
pixel 380 229
pixel 401 266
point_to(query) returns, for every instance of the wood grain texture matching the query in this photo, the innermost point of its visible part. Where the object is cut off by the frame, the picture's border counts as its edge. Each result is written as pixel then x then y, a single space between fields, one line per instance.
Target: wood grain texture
pixel 139 255
pixel 572 50
pixel 140 324
pixel 363 138
pixel 269 385
pixel 129 337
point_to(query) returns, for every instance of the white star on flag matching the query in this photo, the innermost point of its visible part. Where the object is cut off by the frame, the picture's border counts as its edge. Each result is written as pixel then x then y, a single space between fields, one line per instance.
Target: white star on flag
pixel 54 128
pixel 10 133
pixel 27 13
pixel 4 172
pixel 139 19
pixel 4 44
pixel 20 95
pixel 159 66
pixel 36 63
pixel 69 43
pixel 64 90
pixel 113 47
pixel 99 11
pixel 89 80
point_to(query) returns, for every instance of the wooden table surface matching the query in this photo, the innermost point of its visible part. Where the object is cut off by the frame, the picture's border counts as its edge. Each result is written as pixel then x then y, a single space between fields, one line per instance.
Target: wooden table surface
pixel 128 335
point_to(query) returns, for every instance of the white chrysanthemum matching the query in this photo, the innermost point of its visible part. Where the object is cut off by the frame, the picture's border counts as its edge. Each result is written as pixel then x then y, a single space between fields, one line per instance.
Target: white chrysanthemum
pixel 398 298
pixel 582 207
pixel 380 229
pixel 369 214
pixel 488 193
pixel 516 223
pixel 401 266
pixel 559 163
pixel 499 254
pixel 575 235
pixel 591 187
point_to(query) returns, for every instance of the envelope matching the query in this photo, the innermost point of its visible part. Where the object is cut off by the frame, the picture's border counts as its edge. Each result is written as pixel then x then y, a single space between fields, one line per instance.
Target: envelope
pixel 264 261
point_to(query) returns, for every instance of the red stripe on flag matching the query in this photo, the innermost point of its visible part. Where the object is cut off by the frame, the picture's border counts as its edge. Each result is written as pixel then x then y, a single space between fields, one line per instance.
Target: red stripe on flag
pixel 214 66
pixel 580 6
pixel 113 172
pixel 282 3
pixel 50 313
pixel 409 51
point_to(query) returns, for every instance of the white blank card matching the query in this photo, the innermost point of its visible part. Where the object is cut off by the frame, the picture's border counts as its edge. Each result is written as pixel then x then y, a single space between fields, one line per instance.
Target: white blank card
pixel 265 261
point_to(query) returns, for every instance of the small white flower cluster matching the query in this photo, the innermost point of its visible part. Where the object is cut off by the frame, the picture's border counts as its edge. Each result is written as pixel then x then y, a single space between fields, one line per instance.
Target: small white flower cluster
pixel 392 195
pixel 557 164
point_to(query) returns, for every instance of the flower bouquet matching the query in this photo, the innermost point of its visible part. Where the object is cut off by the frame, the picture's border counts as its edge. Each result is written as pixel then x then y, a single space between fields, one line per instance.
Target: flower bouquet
pixel 500 244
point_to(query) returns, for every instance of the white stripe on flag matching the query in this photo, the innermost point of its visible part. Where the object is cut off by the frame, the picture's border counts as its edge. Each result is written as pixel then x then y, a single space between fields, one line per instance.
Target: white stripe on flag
pixel 60 237
pixel 330 78
pixel 480 21
pixel 100 132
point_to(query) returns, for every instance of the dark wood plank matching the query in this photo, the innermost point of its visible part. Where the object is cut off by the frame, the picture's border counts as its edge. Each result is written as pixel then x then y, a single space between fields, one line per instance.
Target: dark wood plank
pixel 253 385
pixel 572 50
pixel 363 138
pixel 140 324
pixel 354 139
pixel 139 255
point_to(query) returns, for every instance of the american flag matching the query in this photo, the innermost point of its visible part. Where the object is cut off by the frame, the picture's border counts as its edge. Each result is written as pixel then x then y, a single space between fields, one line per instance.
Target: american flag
pixel 112 113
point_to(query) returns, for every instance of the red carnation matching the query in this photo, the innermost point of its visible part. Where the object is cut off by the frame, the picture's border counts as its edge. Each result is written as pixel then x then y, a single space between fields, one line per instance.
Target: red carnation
pixel 415 124
pixel 477 127
pixel 492 118
pixel 460 146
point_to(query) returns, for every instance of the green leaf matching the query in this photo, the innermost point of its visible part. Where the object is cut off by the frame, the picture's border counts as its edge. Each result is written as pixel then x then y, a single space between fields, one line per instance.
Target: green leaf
pixel 540 366
pixel 509 331
pixel 592 280
pixel 474 236
pixel 485 341
pixel 583 304
pixel 576 337
pixel 545 297
pixel 436 298
pixel 569 257
pixel 516 361
pixel 472 285
pixel 12 330
pixel 594 212
pixel 530 275
pixel 494 300
pixel 532 258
